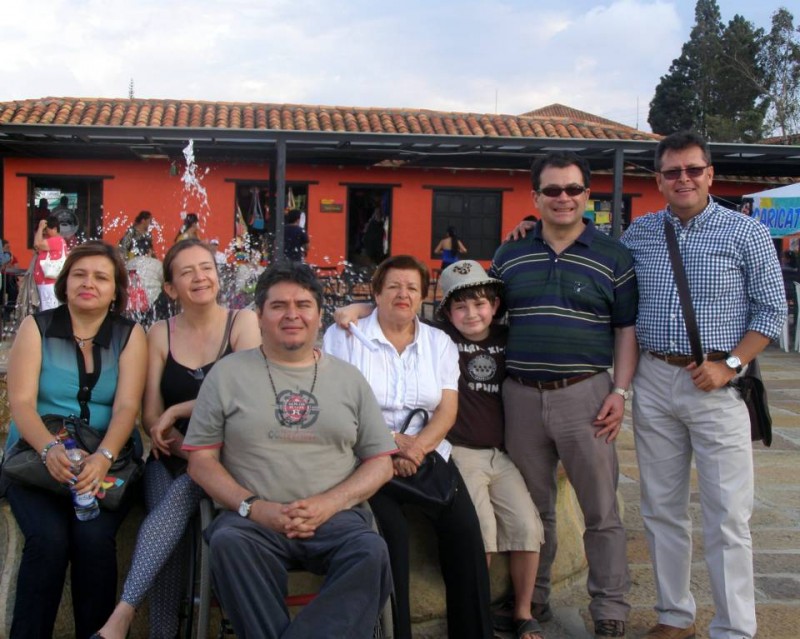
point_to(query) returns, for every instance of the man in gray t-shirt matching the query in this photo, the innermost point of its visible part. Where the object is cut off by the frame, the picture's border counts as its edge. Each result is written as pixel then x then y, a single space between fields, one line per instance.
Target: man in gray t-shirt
pixel 288 442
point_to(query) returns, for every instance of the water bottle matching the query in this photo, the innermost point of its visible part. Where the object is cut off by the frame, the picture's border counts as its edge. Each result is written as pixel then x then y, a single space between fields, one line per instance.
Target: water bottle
pixel 86 506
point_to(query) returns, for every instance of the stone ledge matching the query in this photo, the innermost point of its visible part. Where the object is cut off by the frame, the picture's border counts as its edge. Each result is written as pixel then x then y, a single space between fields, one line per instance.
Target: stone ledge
pixel 427 588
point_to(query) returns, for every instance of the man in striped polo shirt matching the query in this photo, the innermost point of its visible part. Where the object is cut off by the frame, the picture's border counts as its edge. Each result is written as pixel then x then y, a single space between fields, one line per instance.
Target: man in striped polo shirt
pixel 571 296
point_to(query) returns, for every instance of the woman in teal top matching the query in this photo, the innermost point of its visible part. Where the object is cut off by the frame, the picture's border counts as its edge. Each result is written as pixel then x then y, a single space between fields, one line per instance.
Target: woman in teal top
pixel 56 356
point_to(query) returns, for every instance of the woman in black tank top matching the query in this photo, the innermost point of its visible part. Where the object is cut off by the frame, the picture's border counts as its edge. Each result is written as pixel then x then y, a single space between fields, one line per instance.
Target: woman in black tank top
pixel 182 351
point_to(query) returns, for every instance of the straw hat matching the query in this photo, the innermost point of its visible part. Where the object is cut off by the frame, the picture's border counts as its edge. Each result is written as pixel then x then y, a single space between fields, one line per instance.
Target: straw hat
pixel 462 274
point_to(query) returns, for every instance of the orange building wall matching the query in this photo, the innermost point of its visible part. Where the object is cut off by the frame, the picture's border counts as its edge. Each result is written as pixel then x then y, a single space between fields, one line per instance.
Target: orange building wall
pixel 138 185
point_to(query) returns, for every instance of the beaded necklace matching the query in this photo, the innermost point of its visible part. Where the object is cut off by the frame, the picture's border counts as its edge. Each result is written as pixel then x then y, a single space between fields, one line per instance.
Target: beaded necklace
pixel 281 412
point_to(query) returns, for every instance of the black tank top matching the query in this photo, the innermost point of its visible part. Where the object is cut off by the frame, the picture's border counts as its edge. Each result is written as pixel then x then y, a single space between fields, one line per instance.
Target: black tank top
pixel 181 384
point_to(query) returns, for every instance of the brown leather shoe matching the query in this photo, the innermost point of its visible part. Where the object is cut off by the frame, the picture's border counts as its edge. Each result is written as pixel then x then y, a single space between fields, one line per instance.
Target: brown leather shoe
pixel 663 631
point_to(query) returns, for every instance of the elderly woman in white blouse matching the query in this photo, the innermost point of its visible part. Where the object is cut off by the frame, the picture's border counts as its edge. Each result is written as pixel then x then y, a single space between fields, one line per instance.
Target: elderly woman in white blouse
pixel 412 365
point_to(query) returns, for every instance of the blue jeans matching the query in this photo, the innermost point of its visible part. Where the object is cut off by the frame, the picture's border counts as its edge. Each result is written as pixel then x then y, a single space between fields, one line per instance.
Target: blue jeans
pixel 54 538
pixel 250 565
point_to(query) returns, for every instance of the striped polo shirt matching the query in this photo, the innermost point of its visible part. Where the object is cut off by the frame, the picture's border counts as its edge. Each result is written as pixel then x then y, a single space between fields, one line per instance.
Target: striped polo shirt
pixel 563 309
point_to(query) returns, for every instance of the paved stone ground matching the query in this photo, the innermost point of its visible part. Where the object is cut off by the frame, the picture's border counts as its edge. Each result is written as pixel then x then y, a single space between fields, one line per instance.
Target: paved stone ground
pixel 775 527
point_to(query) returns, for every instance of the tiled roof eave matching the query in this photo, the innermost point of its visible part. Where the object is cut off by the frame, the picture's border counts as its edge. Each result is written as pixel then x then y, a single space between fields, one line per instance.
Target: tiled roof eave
pixel 270 135
pixel 176 114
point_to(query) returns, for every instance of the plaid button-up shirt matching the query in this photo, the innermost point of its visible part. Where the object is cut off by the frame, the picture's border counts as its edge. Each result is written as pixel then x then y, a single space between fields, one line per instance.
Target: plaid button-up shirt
pixel 734 278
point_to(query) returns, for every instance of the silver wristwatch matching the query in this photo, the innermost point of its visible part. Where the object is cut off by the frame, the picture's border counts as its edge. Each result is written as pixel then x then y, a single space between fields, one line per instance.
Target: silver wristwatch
pixel 626 394
pixel 734 362
pixel 246 506
pixel 107 454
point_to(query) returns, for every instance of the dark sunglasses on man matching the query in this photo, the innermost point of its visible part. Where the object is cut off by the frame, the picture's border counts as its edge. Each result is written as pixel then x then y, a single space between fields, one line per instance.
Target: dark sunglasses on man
pixel 691 171
pixel 573 190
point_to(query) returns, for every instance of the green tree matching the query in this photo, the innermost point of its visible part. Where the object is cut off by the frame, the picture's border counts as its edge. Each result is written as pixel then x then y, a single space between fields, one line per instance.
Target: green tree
pixel 674 105
pixel 739 104
pixel 780 58
pixel 683 96
pixel 706 88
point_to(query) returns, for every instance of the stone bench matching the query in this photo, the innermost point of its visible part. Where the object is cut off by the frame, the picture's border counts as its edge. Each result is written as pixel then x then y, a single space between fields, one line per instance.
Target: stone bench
pixel 427 589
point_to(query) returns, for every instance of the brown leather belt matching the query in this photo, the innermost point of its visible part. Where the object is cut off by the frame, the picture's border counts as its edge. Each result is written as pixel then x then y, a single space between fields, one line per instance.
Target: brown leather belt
pixel 675 359
pixel 554 384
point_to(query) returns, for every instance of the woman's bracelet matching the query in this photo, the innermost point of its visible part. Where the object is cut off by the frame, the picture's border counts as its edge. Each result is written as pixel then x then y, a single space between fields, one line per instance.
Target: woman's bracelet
pixel 47 447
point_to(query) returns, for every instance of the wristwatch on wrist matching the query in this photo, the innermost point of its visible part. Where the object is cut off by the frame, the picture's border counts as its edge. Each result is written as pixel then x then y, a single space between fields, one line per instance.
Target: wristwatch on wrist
pixel 246 506
pixel 107 454
pixel 626 394
pixel 733 362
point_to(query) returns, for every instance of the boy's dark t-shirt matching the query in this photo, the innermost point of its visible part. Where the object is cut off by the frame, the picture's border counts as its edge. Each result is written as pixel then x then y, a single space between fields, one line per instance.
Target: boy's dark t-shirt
pixel 480 422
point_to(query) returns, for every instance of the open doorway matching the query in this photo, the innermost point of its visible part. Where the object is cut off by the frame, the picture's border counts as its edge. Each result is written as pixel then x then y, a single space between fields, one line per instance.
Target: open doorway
pixel 369 215
pixel 77 202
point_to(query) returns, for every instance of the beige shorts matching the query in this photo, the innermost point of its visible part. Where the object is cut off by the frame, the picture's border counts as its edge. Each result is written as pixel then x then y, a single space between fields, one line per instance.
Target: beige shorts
pixel 509 520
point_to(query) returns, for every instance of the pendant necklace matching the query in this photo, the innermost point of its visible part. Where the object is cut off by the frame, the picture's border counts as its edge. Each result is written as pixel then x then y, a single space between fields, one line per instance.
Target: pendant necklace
pixel 298 414
pixel 82 341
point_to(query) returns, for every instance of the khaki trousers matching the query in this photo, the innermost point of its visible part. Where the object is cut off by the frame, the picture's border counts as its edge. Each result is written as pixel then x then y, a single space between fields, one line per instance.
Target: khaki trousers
pixel 543 427
pixel 673 422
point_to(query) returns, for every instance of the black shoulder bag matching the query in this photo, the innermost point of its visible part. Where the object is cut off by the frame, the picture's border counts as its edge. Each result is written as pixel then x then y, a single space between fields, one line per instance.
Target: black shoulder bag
pixel 434 483
pixel 749 384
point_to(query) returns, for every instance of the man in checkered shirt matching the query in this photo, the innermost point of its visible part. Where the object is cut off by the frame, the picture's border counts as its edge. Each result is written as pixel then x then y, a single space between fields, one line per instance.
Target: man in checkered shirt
pixel 681 409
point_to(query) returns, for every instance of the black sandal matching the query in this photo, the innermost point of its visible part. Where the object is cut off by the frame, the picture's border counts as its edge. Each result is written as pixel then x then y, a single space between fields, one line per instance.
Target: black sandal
pixel 523 627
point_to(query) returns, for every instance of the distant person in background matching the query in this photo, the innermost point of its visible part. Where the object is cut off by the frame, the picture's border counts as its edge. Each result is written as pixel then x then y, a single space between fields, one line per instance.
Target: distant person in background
pixel 8 266
pixel 190 229
pixel 295 239
pixel 219 256
pixel 137 239
pixel 67 220
pixel 49 243
pixel 450 248
pixel 42 211
pixel 373 237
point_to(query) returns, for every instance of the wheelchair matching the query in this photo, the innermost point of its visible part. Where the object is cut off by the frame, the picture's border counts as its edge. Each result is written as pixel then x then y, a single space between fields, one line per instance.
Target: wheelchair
pixel 200 601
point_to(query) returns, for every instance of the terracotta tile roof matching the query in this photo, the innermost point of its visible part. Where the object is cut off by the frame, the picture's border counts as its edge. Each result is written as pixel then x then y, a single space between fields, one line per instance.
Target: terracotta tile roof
pixel 564 113
pixel 555 121
pixel 792 138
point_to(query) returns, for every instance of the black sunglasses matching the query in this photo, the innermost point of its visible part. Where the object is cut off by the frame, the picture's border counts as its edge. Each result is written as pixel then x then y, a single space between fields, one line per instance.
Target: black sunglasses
pixel 572 190
pixel 691 171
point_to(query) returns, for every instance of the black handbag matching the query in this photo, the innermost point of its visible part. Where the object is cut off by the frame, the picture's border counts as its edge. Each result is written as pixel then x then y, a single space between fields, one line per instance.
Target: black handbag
pixel 754 393
pixel 749 384
pixel 434 483
pixel 23 464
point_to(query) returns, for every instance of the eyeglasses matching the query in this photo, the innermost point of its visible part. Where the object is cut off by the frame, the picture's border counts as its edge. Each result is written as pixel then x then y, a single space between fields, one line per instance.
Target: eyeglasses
pixel 691 171
pixel 573 190
pixel 198 374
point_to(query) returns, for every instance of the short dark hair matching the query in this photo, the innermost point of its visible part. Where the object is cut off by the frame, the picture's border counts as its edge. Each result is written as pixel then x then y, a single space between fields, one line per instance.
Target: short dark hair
pixel 91 249
pixel 293 216
pixel 52 222
pixel 293 272
pixel 402 263
pixel 178 248
pixel 490 292
pixel 143 215
pixel 679 141
pixel 559 160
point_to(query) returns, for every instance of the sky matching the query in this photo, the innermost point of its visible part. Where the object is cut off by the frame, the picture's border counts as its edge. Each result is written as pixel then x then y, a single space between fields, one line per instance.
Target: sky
pixel 480 56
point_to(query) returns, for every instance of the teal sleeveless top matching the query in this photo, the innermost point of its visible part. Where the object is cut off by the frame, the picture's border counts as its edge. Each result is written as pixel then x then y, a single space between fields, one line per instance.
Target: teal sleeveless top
pixel 59 379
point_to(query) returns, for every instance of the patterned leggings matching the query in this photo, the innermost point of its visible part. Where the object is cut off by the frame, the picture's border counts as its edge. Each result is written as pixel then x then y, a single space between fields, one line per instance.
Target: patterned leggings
pixel 159 560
